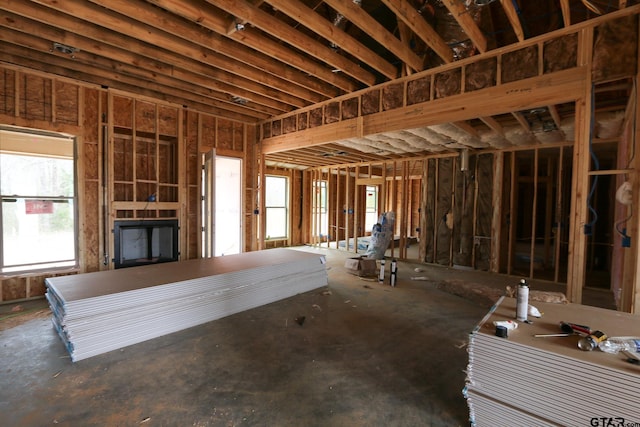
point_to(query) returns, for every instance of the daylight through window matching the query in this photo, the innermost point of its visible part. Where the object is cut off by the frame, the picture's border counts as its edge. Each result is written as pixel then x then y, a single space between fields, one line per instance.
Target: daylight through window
pixel 38 209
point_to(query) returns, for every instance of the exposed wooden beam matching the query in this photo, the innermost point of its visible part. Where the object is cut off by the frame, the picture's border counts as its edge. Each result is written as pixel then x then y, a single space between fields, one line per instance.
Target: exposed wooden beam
pixel 521 119
pixel 463 17
pixel 465 126
pixel 238 24
pixel 11 57
pixel 553 110
pixel 251 38
pixel 131 34
pixel 159 61
pixel 566 12
pixel 225 54
pixel 405 36
pixel 405 12
pixel 375 30
pixel 25 45
pixel 514 19
pixel 493 124
pixel 316 23
pixel 556 88
pixel 293 37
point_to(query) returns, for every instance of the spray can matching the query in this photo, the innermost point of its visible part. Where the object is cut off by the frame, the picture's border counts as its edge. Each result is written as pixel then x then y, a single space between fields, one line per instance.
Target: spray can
pixel 381 275
pixel 394 270
pixel 522 303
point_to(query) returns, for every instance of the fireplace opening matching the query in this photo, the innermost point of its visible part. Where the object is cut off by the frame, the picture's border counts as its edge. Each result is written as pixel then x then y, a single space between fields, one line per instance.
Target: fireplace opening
pixel 145 242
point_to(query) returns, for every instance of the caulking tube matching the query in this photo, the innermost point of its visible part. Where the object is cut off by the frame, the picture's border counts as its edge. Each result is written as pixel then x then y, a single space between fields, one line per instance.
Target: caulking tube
pixel 381 275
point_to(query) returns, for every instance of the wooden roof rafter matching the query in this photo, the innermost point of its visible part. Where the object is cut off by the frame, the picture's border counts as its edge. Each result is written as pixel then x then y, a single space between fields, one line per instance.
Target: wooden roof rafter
pixel 461 14
pixel 370 26
pixel 282 31
pixel 411 18
pixel 251 38
pixel 327 30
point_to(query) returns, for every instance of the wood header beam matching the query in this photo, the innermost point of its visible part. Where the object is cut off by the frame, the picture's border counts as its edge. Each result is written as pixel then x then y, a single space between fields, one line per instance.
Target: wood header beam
pixel 563 86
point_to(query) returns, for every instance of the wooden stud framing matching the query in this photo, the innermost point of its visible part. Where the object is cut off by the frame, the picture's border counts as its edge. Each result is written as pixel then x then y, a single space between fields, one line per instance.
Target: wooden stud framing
pixel 422 247
pixel 475 214
pixel 496 218
pixel 558 217
pixel 512 209
pixel 532 248
pixel 579 216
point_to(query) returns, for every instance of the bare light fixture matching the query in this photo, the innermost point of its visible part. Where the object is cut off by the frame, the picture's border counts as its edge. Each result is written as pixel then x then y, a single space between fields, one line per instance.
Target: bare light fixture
pixel 239 100
pixel 63 48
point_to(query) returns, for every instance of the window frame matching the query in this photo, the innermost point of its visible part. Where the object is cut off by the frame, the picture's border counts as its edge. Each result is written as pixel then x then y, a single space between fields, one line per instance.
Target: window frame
pixel 286 207
pixel 16 143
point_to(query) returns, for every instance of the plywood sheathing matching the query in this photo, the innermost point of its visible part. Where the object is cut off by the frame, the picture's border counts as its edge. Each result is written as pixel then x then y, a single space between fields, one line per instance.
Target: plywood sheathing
pixel 66 102
pixel 32 99
pixel 35 97
pixel 8 98
pixel 90 167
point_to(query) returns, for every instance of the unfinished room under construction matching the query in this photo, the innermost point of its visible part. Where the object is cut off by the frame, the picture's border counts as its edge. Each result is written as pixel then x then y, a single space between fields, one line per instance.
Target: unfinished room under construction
pixel 319 212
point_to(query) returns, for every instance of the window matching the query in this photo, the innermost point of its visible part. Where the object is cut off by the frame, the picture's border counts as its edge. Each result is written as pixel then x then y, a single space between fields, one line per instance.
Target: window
pixel 320 209
pixel 38 209
pixel 371 207
pixel 277 207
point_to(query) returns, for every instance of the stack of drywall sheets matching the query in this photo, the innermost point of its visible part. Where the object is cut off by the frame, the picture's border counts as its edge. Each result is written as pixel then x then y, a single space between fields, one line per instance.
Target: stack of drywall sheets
pixel 98 312
pixel 548 381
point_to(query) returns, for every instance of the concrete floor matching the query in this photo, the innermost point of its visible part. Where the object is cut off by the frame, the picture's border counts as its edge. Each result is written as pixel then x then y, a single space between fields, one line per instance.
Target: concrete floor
pixel 366 355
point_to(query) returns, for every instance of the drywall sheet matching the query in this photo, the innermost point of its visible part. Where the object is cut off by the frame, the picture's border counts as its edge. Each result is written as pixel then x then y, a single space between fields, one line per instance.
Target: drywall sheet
pixel 549 379
pixel 99 312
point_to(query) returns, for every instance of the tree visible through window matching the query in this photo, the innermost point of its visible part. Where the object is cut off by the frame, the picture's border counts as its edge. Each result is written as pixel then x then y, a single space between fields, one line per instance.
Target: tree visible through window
pixel 37 213
pixel 371 207
pixel 277 207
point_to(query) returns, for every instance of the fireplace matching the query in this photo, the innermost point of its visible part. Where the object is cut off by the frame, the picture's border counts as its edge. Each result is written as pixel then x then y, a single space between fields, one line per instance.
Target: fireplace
pixel 145 242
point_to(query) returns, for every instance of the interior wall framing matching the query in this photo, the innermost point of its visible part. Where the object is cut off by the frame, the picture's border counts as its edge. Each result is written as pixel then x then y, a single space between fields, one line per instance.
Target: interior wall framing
pixel 37 100
pixel 489 241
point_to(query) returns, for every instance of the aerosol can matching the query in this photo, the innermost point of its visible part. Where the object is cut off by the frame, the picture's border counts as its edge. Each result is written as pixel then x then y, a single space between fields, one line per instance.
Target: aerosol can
pixel 522 303
pixel 394 272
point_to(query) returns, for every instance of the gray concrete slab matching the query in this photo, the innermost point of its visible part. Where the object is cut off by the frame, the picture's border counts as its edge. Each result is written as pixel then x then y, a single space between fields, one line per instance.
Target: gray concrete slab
pixel 365 355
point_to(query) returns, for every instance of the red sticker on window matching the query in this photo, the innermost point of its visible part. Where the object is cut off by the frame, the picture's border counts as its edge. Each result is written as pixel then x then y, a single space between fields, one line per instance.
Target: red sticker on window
pixel 38 206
